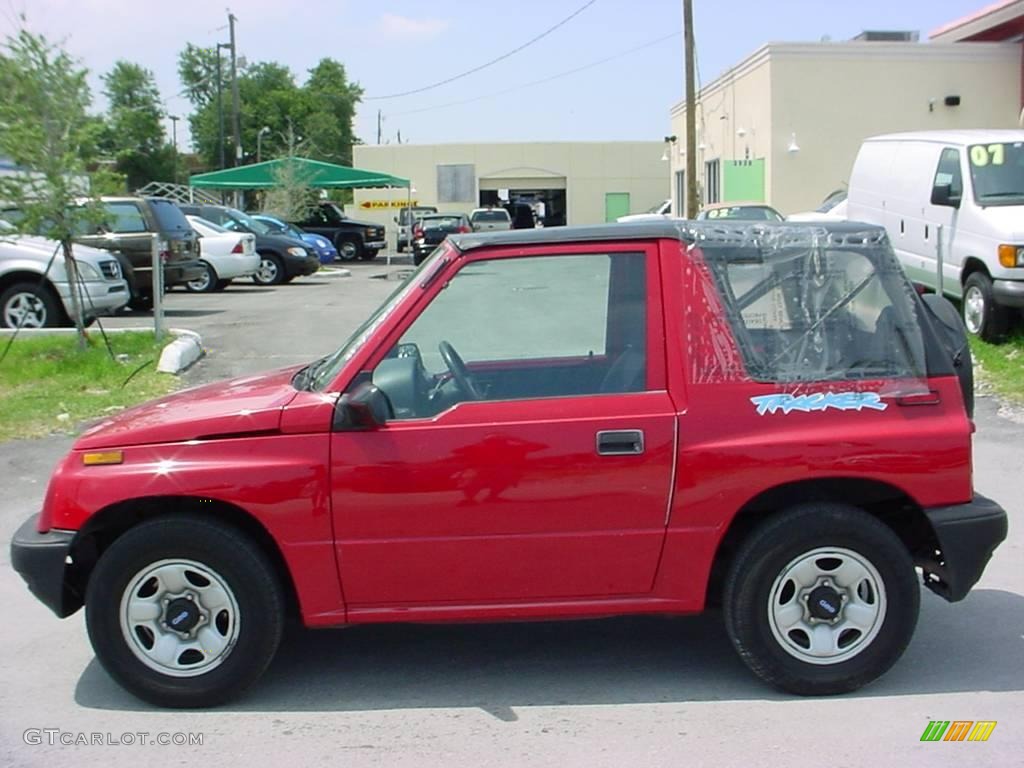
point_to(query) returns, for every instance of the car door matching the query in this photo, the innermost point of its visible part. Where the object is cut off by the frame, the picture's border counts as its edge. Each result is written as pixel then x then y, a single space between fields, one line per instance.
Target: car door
pixel 948 172
pixel 555 483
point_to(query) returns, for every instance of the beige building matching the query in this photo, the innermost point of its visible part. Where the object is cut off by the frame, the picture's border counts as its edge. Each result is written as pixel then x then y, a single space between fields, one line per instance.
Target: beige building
pixel 784 125
pixel 568 182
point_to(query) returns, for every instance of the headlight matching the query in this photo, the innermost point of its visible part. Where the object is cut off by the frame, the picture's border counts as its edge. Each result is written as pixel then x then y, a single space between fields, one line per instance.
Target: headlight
pixel 88 271
pixel 322 243
pixel 297 251
pixel 1011 256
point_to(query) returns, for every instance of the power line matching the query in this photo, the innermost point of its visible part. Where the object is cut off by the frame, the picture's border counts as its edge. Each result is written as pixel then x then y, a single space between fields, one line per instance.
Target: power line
pixel 504 56
pixel 566 73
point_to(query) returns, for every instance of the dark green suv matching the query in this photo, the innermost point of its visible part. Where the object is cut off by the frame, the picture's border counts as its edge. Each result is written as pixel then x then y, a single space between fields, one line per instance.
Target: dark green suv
pixel 128 228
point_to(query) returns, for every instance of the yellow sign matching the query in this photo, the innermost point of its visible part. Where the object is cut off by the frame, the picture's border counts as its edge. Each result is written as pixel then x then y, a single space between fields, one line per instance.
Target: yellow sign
pixel 374 204
pixel 994 153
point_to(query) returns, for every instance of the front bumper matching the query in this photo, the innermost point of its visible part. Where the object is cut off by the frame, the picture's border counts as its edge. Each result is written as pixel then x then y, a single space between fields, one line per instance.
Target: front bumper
pixel 296 266
pixel 374 245
pixel 41 559
pixel 967 535
pixel 101 297
pixel 1009 293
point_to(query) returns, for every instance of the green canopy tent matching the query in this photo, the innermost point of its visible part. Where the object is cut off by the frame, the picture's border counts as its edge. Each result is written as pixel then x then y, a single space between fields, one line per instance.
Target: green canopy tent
pixel 312 173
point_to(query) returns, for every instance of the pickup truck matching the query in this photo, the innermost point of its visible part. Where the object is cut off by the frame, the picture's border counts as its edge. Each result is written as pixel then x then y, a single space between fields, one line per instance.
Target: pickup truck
pixel 648 418
pixel 353 239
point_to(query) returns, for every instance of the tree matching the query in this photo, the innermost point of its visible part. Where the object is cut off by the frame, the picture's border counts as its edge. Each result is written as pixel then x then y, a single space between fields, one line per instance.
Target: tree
pixel 319 112
pixel 44 129
pixel 134 135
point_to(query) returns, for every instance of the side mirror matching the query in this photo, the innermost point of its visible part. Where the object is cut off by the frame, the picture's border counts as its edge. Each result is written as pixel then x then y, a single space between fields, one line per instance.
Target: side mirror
pixel 943 195
pixel 395 218
pixel 364 408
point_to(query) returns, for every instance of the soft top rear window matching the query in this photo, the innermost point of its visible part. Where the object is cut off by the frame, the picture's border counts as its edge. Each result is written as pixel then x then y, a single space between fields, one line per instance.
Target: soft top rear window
pixel 491 216
pixel 806 304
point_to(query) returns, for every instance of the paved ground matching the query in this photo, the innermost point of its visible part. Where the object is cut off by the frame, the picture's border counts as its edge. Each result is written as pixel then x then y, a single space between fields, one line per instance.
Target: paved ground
pixel 648 692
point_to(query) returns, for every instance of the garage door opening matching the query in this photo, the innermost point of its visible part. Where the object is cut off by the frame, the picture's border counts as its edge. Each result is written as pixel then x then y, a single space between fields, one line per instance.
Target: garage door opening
pixel 548 205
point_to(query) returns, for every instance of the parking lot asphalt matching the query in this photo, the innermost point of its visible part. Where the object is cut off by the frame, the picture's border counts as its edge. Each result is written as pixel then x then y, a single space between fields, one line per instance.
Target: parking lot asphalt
pixel 645 692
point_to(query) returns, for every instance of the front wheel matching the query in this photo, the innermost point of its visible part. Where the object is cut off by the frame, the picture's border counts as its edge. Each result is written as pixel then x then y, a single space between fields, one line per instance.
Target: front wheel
pixel 184 612
pixel 982 316
pixel 271 271
pixel 369 254
pixel 821 600
pixel 349 249
pixel 206 283
pixel 25 305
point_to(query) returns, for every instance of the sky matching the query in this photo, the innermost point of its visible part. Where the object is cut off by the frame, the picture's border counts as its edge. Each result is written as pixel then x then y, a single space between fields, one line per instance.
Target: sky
pixel 611 72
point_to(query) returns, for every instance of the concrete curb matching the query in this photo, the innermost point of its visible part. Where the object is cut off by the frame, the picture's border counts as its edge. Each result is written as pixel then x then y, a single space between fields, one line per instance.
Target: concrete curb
pixel 176 357
pixel 332 272
pixel 180 353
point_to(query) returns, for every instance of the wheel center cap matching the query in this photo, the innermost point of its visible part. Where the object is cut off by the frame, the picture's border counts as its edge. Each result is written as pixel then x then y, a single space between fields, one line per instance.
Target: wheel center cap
pixel 824 603
pixel 181 615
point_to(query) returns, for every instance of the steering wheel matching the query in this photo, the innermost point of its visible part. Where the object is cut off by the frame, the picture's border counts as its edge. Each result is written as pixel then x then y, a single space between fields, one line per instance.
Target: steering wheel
pixel 460 373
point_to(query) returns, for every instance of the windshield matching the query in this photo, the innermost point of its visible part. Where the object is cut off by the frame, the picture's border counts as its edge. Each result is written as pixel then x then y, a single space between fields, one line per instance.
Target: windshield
pixel 831 202
pixel 744 213
pixel 997 172
pixel 323 372
pixel 237 221
pixel 660 207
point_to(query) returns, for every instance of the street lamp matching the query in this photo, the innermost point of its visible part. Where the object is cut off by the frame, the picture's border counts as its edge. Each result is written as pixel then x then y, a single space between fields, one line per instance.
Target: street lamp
pixel 259 141
pixel 174 139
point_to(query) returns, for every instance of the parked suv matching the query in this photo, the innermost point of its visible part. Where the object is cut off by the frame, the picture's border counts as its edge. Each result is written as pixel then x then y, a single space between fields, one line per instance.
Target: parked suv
pixel 557 423
pixel 34 287
pixel 353 239
pixel 127 228
pixel 282 258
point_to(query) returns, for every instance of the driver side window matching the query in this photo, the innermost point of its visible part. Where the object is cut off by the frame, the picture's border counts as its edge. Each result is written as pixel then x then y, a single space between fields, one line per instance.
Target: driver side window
pixel 519 328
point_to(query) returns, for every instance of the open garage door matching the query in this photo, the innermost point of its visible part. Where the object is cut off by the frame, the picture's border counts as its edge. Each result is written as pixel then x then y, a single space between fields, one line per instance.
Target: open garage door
pixel 545 195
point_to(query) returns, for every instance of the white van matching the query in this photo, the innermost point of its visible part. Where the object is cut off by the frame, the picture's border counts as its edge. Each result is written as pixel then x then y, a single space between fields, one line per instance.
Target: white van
pixel 963 192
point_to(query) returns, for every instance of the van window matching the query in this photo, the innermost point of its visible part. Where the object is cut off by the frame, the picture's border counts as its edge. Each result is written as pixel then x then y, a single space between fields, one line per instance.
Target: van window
pixel 997 171
pixel 948 173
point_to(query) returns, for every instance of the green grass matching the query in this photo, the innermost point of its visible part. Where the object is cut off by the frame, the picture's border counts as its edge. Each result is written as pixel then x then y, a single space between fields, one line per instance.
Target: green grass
pixel 47 385
pixel 1001 366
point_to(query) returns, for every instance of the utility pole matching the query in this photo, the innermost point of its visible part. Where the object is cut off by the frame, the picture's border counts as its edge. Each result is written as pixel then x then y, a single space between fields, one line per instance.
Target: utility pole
pixel 236 125
pixel 174 140
pixel 220 103
pixel 380 119
pixel 691 112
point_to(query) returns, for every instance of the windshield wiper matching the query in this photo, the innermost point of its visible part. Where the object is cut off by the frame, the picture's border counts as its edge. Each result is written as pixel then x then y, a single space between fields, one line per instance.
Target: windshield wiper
pixel 305 378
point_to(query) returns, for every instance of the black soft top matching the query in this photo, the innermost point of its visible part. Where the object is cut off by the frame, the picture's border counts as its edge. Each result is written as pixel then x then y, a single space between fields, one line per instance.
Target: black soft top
pixel 711 233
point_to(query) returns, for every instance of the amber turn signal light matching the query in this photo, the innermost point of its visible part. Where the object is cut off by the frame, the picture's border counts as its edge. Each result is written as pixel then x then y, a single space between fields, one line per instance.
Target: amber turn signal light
pixel 1011 256
pixel 98 458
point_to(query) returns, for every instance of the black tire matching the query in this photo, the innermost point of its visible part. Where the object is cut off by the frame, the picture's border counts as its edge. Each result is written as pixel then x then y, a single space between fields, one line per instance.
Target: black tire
pixel 349 248
pixel 207 283
pixel 248 577
pixel 368 254
pixel 43 309
pixel 221 285
pixel 983 317
pixel 271 271
pixel 791 537
pixel 141 303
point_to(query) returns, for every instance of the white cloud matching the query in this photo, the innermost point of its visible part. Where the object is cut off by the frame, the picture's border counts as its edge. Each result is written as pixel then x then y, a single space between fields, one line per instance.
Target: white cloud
pixel 397 27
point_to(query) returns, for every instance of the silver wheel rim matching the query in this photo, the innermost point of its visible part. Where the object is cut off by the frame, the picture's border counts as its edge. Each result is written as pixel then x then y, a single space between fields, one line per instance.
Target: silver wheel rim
pixel 843 580
pixel 268 271
pixel 161 594
pixel 347 251
pixel 201 283
pixel 974 309
pixel 25 310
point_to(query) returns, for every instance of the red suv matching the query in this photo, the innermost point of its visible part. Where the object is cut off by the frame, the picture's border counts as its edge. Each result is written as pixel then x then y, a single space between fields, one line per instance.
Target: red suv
pixel 635 418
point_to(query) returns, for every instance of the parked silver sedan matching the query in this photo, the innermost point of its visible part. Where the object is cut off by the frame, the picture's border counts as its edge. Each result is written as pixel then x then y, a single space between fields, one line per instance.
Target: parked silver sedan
pixel 34 296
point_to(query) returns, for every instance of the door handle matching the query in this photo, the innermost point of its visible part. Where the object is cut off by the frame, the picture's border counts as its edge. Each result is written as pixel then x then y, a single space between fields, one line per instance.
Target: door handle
pixel 624 442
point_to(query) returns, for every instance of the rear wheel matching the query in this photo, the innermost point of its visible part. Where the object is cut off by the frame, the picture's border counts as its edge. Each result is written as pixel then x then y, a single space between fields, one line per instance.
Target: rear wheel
pixel 271 271
pixel 206 283
pixel 184 612
pixel 982 316
pixel 822 599
pixel 26 305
